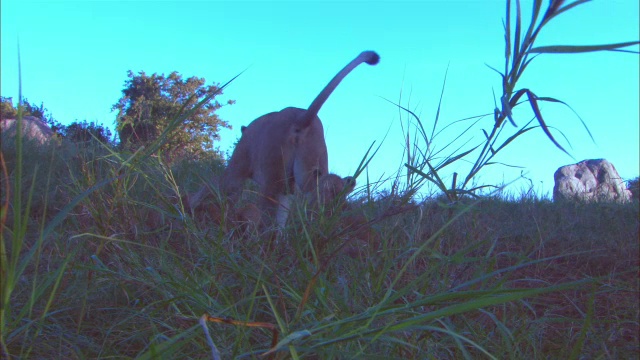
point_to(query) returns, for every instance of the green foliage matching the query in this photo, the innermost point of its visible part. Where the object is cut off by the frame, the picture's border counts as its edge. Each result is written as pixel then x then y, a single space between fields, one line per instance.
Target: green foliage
pixel 150 103
pixel 85 131
pixel 76 132
pixel 7 111
pixel 38 111
pixel 425 159
pixel 634 186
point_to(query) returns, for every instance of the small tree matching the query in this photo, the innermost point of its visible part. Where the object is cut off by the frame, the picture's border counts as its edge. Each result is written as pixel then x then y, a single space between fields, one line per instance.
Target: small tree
pixel 149 103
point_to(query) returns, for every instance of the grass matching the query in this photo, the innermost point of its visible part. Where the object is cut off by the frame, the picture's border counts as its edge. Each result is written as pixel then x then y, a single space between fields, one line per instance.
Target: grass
pixel 426 158
pixel 124 274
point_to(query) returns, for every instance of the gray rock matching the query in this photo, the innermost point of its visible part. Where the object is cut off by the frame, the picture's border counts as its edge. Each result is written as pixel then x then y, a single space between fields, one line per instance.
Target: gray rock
pixel 32 127
pixel 590 180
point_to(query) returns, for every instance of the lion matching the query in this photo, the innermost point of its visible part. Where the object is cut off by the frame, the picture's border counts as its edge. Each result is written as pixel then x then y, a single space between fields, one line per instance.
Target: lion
pixel 285 151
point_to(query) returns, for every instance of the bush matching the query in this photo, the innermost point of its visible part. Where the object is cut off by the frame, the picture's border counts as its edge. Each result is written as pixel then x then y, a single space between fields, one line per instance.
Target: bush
pixel 87 131
pixel 634 187
pixel 7 111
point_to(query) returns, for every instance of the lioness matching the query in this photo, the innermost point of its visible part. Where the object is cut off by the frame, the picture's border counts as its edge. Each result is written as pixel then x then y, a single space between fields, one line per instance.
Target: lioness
pixel 284 151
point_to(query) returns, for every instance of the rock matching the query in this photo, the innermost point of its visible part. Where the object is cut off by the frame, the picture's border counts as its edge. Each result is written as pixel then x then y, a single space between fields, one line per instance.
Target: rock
pixel 590 180
pixel 32 127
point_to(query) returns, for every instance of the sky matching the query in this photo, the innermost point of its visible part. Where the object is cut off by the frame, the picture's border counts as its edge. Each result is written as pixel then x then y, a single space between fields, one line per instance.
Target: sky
pixel 75 56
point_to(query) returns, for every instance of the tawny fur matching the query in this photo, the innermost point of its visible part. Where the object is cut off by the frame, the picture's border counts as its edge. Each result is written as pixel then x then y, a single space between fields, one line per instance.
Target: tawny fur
pixel 285 151
pixel 331 187
pixel 204 205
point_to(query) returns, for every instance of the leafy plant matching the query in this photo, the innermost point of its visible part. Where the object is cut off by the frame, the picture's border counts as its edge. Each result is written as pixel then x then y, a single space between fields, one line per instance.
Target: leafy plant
pixel 84 131
pixel 149 103
pixel 7 111
pixel 425 161
pixel 634 186
pixel 42 113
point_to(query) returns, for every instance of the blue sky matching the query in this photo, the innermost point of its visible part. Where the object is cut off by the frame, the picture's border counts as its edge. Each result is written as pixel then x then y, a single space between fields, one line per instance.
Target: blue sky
pixel 75 57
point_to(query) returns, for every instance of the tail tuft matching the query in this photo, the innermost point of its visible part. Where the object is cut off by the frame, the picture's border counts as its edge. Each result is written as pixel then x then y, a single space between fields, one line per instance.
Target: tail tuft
pixel 370 57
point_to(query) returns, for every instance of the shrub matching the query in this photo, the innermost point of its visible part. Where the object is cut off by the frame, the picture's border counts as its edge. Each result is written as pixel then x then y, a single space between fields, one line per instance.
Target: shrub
pixel 634 187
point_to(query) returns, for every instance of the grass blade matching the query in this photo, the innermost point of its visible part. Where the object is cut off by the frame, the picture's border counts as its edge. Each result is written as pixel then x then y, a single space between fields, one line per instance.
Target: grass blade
pixel 576 49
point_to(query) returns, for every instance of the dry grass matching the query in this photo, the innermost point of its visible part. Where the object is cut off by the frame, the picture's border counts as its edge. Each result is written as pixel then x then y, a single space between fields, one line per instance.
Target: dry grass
pixel 503 278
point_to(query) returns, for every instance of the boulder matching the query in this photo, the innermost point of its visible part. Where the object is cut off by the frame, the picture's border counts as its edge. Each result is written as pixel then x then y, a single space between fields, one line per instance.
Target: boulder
pixel 32 127
pixel 590 180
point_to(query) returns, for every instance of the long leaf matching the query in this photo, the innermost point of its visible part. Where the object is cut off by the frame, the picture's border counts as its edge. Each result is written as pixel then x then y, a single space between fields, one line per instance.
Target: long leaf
pixel 534 17
pixel 550 99
pixel 435 122
pixel 496 70
pixel 536 111
pixel 366 159
pixel 422 130
pixel 563 9
pixel 575 49
pixel 434 179
pixel 524 66
pixel 455 158
pixel 513 137
pixel 507 38
pixel 516 36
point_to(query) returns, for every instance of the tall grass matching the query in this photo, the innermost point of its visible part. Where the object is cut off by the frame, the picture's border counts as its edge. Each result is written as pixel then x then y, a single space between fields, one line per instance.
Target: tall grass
pixel 426 160
pixel 109 264
pixel 510 279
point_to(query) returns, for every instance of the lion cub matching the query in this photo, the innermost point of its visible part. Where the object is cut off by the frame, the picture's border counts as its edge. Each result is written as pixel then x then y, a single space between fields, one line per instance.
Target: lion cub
pixel 331 189
pixel 285 151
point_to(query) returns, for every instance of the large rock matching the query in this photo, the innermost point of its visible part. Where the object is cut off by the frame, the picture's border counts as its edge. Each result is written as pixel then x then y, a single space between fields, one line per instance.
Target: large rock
pixel 590 180
pixel 32 127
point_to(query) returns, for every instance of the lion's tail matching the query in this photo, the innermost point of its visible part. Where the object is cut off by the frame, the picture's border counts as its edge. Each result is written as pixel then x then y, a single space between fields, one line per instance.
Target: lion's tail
pixel 370 57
